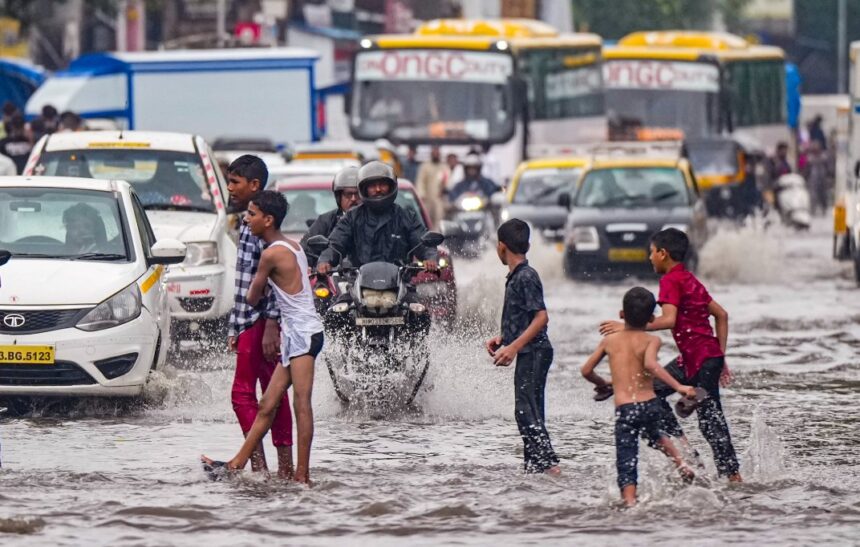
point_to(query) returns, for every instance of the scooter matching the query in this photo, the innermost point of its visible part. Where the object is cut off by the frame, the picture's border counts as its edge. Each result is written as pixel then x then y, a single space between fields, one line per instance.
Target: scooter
pixel 379 331
pixel 469 223
pixel 793 201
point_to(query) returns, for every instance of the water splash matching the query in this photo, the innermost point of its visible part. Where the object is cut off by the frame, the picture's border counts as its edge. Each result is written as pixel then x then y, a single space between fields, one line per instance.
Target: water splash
pixel 764 459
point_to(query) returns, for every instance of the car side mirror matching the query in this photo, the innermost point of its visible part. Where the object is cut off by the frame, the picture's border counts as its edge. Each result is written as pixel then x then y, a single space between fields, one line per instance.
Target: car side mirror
pixel 564 200
pixel 318 243
pixel 4 257
pixel 857 169
pixel 309 222
pixel 167 251
pixel 432 239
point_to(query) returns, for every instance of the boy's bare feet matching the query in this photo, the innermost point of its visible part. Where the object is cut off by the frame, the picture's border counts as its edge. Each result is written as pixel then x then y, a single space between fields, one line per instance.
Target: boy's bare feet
pixel 285 462
pixel 687 474
pixel 258 459
pixel 735 478
pixel 554 471
pixel 628 494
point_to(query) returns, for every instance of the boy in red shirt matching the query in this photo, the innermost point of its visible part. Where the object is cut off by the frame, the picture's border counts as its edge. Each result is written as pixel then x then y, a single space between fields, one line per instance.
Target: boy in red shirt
pixel 687 308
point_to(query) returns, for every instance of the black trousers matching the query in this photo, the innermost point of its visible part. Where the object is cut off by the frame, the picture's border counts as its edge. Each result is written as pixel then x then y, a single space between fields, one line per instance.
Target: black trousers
pixel 529 384
pixel 712 421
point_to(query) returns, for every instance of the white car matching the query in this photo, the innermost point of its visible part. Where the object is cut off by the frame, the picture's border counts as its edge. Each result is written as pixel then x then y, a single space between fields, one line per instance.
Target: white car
pixel 185 196
pixel 83 304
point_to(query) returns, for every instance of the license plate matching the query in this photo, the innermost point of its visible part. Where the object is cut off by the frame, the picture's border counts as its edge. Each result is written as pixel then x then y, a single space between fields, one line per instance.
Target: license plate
pixel 379 321
pixel 27 355
pixel 628 255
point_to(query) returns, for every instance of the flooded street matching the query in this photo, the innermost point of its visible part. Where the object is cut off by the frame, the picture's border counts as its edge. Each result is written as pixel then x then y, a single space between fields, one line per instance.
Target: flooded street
pixel 103 472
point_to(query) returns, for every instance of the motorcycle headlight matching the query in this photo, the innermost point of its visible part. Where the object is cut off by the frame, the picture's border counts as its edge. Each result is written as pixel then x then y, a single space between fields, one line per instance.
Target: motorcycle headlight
pixel 379 299
pixel 201 253
pixel 585 238
pixel 471 203
pixel 682 227
pixel 340 307
pixel 443 263
pixel 120 308
pixel 505 215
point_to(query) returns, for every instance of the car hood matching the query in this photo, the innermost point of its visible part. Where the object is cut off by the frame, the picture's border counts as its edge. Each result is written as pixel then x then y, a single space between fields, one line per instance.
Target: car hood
pixel 185 226
pixel 654 217
pixel 539 216
pixel 44 282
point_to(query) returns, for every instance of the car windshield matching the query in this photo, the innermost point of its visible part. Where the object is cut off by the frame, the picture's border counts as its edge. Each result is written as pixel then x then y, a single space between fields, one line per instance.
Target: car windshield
pixel 62 223
pixel 163 179
pixel 308 204
pixel 633 187
pixel 713 158
pixel 544 186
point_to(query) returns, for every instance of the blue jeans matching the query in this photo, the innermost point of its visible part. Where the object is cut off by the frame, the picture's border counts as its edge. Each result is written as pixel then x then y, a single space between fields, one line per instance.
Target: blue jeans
pixel 529 385
pixel 632 420
pixel 712 421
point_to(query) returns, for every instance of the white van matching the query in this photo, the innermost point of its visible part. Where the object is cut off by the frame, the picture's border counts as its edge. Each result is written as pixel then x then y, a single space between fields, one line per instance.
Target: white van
pixel 185 197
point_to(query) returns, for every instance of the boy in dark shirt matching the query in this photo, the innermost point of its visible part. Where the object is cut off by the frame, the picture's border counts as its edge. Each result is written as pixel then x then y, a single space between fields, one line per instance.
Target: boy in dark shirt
pixel 524 338
pixel 687 308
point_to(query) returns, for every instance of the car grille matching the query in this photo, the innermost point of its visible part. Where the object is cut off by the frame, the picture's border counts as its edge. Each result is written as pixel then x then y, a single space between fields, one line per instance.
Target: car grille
pixel 35 321
pixel 196 305
pixel 628 239
pixel 61 373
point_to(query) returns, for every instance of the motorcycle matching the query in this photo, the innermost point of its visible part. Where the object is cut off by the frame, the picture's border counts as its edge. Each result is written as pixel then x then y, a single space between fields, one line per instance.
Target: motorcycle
pixel 793 201
pixel 378 330
pixel 469 223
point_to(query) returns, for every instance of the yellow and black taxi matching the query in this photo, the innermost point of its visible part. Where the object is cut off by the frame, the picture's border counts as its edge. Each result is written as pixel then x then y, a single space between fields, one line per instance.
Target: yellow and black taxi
pixel 620 201
pixel 536 190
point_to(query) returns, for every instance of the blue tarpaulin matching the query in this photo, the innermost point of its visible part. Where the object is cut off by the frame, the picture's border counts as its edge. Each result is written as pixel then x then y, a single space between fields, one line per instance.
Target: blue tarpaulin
pixel 18 80
pixel 792 95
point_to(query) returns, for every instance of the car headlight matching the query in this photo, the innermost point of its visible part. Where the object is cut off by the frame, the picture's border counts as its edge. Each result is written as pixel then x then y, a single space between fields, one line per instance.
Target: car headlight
pixel 682 227
pixel 505 215
pixel 120 308
pixel 585 238
pixel 201 253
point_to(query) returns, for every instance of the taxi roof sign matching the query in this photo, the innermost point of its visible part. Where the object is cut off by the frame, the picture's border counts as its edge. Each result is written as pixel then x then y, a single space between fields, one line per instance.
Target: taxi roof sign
pixel 498 28
pixel 118 144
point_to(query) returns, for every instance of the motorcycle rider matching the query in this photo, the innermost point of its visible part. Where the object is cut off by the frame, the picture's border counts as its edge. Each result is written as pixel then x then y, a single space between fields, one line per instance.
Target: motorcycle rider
pixel 344 186
pixel 473 180
pixel 379 230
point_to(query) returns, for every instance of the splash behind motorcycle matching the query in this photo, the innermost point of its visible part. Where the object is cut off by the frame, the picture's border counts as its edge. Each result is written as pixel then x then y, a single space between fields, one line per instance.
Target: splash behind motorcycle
pixel 377 329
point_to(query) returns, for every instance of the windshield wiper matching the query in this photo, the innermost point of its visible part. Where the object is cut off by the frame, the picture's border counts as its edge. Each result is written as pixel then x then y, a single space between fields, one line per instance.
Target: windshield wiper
pixel 37 255
pixel 172 207
pixel 97 256
pixel 665 195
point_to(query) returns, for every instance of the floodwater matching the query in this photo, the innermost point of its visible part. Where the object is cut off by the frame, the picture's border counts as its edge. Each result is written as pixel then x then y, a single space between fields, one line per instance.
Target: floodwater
pixel 127 474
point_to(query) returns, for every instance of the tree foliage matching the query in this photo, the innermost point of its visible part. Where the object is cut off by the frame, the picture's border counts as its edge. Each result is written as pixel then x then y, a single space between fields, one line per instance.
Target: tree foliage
pixel 613 19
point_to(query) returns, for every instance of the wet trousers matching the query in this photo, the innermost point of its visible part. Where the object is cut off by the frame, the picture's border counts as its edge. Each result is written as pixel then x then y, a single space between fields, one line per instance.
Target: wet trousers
pixel 631 420
pixel 252 367
pixel 712 421
pixel 529 385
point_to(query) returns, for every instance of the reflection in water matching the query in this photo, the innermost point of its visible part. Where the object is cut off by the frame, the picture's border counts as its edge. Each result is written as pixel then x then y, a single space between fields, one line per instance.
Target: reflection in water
pixel 448 471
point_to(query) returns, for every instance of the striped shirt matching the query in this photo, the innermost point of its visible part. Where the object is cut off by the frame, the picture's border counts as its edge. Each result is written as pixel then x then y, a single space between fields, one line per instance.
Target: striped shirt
pixel 248 254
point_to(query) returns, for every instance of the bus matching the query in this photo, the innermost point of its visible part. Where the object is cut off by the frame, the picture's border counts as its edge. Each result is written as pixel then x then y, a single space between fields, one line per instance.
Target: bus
pixel 682 85
pixel 516 85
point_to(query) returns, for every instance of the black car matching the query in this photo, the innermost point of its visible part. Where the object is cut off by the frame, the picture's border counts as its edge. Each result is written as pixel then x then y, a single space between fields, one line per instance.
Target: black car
pixel 619 204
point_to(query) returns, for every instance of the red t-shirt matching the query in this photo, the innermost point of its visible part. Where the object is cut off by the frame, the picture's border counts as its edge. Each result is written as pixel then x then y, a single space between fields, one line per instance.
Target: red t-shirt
pixel 692 332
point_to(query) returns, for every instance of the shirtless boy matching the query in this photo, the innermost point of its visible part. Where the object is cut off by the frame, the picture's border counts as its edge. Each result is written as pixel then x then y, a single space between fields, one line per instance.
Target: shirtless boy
pixel 283 267
pixel 633 364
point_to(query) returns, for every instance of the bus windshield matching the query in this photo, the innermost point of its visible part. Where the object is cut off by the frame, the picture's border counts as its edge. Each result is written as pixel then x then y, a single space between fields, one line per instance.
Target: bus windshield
pixel 643 95
pixel 432 95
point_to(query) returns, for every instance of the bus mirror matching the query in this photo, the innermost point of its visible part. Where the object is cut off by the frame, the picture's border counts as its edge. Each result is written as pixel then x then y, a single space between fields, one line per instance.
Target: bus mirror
pixel 857 169
pixel 347 102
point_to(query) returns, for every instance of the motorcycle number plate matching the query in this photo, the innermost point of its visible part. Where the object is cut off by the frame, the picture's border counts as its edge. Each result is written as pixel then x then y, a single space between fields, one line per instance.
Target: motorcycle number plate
pixel 379 321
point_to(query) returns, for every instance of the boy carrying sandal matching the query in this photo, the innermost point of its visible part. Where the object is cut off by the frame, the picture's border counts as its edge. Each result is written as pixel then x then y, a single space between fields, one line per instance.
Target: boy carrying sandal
pixel 633 363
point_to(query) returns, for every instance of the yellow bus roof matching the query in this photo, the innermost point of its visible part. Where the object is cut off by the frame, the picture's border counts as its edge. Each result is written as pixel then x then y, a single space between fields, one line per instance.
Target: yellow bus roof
pixel 689 46
pixel 482 34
